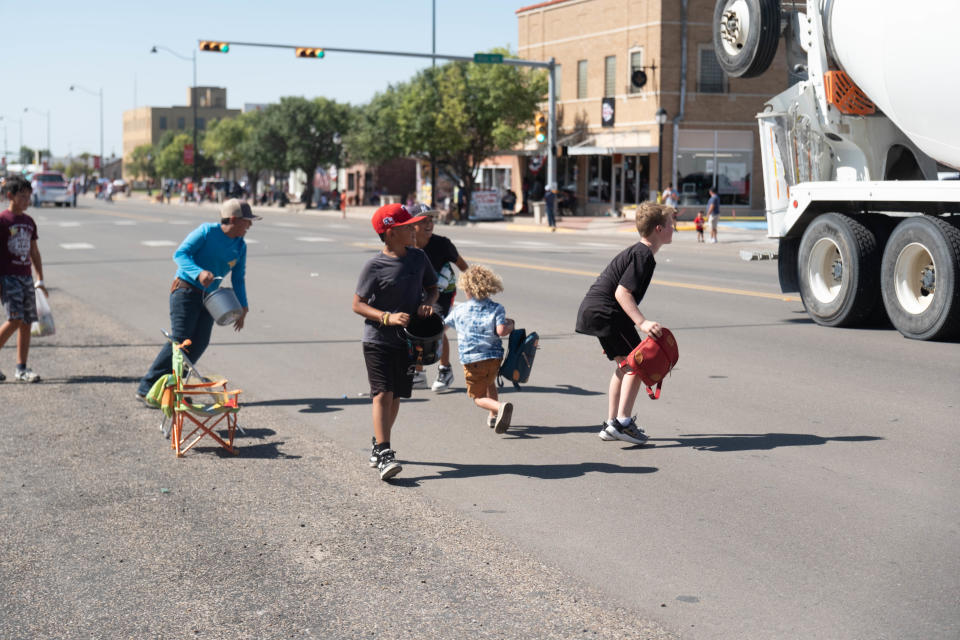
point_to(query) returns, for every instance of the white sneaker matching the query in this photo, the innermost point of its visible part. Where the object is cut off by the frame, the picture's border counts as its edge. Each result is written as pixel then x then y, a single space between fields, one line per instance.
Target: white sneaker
pixel 26 375
pixel 419 380
pixel 444 378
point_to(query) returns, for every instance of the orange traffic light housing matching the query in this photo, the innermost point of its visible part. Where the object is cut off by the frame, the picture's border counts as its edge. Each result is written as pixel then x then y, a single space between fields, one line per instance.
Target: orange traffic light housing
pixel 309 52
pixel 217 47
pixel 540 127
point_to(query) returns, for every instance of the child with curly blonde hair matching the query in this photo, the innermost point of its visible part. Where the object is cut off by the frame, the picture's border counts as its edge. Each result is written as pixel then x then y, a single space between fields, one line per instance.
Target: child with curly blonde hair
pixel 480 324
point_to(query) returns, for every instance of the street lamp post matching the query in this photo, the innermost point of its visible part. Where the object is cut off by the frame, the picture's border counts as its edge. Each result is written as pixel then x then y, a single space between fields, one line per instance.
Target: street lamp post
pixel 74 87
pixel 661 117
pixel 6 151
pixel 193 101
pixel 47 115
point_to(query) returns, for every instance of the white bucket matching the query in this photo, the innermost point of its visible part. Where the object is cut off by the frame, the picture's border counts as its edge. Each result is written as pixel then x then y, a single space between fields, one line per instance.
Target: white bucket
pixel 223 305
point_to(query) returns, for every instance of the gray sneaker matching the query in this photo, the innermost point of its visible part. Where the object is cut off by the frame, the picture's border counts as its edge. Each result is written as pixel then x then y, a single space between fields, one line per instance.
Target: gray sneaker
pixel 444 378
pixel 26 375
pixel 374 455
pixel 604 435
pixel 388 465
pixel 627 433
pixel 420 380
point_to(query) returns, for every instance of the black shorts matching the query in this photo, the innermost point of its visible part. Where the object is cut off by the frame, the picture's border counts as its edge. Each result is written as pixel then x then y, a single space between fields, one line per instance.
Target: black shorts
pixel 620 342
pixel 388 369
pixel 445 301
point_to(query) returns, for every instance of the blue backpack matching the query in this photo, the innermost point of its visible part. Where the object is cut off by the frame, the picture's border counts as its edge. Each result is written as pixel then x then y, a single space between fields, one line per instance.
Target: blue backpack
pixel 521 349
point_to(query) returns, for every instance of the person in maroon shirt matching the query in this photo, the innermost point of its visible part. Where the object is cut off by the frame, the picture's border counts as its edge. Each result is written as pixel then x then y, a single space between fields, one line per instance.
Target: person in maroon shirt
pixel 18 253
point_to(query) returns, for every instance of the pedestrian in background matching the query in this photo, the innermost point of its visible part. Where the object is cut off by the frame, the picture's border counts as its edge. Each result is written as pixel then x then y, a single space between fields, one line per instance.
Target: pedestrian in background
pixel 698 223
pixel 550 203
pixel 480 324
pixel 610 312
pixel 390 292
pixel 443 256
pixel 713 214
pixel 18 254
pixel 209 252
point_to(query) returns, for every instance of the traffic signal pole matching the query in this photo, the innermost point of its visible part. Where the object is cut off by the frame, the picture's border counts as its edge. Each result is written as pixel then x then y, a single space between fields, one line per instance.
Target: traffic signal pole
pixel 550 66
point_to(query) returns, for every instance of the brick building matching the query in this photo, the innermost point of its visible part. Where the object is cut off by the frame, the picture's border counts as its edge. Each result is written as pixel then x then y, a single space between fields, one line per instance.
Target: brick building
pixel 146 125
pixel 710 135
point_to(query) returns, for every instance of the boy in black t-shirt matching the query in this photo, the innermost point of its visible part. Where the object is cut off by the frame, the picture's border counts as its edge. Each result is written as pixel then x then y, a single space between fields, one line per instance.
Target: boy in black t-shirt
pixel 610 312
pixel 442 255
pixel 390 291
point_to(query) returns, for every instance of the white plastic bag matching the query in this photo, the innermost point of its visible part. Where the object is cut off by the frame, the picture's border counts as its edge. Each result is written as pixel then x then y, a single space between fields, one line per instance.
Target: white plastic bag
pixel 44 324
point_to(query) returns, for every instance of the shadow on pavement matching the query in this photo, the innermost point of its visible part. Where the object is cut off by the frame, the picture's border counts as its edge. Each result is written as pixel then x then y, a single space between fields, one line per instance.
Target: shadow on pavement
pixel 751 441
pixel 542 471
pixel 320 405
pixel 533 431
pixel 564 389
pixel 95 380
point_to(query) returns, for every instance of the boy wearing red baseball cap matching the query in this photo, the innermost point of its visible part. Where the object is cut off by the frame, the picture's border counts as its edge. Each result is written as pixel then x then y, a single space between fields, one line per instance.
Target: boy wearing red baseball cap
pixel 389 292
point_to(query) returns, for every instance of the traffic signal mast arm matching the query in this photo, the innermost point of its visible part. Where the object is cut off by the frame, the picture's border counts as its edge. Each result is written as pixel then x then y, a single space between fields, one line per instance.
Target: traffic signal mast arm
pixel 550 66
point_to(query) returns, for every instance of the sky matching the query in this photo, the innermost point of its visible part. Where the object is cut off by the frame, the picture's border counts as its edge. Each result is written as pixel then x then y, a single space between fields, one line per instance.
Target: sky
pixel 49 45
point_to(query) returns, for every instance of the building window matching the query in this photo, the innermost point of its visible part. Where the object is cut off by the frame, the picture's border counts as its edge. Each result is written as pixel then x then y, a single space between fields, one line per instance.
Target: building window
pixel 558 80
pixel 351 181
pixel 181 124
pixel 201 125
pixel 727 171
pixel 636 64
pixel 712 79
pixel 609 76
pixel 163 123
pixel 581 80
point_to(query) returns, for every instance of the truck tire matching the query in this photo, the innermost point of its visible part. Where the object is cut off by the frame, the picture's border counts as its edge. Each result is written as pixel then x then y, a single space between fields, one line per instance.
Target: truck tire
pixel 746 34
pixel 920 278
pixel 839 266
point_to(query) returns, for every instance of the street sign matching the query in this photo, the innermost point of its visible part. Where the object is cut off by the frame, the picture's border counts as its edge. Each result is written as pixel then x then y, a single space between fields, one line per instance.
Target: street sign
pixel 488 58
pixel 188 154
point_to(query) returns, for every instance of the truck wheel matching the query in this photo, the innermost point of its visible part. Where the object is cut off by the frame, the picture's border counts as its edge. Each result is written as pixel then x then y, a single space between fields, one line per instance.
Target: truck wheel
pixel 745 35
pixel 839 263
pixel 920 278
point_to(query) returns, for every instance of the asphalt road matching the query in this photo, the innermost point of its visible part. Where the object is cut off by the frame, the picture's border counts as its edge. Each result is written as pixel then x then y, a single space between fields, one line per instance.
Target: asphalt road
pixel 799 481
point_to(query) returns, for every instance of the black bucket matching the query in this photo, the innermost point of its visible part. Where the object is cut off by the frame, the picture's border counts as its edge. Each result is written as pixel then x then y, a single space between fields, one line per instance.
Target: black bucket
pixel 425 339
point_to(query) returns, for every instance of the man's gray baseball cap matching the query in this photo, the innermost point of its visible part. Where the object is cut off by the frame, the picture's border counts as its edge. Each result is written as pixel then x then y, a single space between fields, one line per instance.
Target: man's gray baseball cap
pixel 234 208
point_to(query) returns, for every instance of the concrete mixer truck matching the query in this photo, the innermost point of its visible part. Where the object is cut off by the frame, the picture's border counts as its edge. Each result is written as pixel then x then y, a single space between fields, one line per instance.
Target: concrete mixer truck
pixel 854 151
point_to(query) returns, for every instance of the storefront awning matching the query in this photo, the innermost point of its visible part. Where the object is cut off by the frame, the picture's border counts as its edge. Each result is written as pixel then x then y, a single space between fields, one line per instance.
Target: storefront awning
pixel 606 144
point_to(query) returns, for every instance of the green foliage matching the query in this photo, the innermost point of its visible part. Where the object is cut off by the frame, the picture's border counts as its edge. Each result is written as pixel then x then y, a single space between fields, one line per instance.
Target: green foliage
pixel 26 155
pixel 141 163
pixel 169 158
pixel 224 142
pixel 456 115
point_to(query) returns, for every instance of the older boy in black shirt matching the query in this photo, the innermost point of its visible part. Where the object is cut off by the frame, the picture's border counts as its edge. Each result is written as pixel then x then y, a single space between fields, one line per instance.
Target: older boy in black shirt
pixel 610 312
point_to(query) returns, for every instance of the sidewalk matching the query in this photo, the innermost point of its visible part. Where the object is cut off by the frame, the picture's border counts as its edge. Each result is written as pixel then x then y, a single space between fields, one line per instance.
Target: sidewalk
pixel 731 229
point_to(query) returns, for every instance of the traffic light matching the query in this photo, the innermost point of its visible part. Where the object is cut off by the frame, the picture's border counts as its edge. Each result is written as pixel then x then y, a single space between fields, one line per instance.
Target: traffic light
pixel 217 47
pixel 540 127
pixel 309 52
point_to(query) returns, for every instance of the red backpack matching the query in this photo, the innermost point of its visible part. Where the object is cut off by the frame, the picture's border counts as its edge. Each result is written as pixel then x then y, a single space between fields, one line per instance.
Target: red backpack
pixel 652 360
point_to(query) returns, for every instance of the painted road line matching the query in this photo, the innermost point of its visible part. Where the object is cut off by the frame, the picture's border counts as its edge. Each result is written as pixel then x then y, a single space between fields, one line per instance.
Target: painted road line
pixel 159 243
pixel 664 283
pixel 287 225
pixel 601 245
pixel 251 241
pixel 127 216
pixel 594 274
pixel 314 239
pixel 534 243
pixel 69 224
pixel 125 223
pixel 76 245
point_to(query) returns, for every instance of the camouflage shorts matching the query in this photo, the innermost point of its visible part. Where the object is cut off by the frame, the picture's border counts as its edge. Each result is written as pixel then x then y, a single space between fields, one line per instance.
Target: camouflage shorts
pixel 19 298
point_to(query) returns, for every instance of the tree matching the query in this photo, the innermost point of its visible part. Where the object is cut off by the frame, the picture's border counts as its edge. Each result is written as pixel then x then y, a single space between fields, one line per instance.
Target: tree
pixel 26 155
pixel 168 157
pixel 456 115
pixel 265 147
pixel 141 163
pixel 224 143
pixel 307 128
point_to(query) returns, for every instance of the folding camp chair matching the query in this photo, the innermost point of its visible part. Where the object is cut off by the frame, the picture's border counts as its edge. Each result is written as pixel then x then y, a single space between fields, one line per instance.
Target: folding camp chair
pixel 220 406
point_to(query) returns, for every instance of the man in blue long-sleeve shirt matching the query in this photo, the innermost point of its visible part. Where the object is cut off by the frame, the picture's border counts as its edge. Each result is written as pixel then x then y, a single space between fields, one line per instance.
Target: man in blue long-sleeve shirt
pixel 211 251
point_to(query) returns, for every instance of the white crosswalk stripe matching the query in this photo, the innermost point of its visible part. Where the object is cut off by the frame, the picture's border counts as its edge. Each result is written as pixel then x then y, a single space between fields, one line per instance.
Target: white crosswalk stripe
pixel 76 245
pixel 69 224
pixel 159 243
pixel 313 239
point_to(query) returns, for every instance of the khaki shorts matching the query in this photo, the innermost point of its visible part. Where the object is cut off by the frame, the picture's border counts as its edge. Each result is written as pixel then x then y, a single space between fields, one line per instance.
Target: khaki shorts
pixel 480 375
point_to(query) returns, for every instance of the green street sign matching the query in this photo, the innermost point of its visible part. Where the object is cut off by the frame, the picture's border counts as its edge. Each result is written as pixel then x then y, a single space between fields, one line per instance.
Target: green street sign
pixel 488 58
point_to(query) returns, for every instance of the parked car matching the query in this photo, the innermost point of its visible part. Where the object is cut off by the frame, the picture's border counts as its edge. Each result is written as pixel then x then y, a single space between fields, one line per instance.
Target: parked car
pixel 51 186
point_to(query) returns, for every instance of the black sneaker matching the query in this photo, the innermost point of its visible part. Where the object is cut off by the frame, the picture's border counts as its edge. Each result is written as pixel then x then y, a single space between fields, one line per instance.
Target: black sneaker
pixel 374 455
pixel 627 433
pixel 388 466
